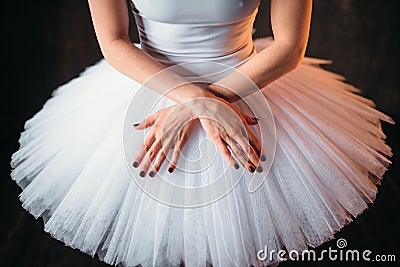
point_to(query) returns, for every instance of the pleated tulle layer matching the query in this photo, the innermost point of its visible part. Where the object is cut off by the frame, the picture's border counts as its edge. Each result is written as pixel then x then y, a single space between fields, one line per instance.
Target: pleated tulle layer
pixel 330 157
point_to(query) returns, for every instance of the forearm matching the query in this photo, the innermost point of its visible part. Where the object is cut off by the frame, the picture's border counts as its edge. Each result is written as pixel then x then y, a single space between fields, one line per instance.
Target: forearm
pixel 111 21
pixel 267 66
pixel 141 67
pixel 290 21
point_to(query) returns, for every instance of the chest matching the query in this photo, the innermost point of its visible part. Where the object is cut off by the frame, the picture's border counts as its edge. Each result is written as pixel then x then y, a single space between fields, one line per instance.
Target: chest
pixel 195 11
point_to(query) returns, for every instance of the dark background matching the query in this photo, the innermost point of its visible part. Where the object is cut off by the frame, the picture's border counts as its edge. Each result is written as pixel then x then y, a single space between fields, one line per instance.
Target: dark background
pixel 46 43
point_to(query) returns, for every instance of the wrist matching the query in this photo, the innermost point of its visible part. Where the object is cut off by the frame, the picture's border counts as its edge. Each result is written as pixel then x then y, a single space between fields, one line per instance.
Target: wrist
pixel 189 92
pixel 223 92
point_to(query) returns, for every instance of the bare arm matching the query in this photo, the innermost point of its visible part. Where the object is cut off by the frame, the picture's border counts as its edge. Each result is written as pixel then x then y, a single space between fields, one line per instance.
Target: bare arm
pixel 111 22
pixel 290 20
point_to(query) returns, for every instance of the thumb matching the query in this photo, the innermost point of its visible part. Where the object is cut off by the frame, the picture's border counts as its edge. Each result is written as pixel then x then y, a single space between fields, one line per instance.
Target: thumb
pixel 149 121
pixel 250 120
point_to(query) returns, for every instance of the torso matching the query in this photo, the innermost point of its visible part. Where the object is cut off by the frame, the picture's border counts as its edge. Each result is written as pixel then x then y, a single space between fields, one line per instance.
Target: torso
pixel 178 31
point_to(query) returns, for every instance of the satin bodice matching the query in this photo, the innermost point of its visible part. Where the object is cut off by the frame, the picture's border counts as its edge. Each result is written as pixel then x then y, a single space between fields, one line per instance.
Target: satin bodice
pixel 178 31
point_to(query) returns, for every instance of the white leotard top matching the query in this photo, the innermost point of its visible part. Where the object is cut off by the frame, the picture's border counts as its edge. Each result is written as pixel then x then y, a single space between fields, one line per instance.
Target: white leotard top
pixel 176 31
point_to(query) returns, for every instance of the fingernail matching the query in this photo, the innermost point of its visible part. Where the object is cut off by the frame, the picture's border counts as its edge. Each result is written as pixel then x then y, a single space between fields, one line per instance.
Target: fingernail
pixel 151 174
pixel 135 164
pixel 142 174
pixel 136 124
pixel 263 158
pixel 251 169
pixel 259 169
pixel 170 169
pixel 236 166
pixel 256 119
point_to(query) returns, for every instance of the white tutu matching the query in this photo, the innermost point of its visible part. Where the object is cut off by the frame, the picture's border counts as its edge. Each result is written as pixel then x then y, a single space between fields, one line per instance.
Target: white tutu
pixel 330 157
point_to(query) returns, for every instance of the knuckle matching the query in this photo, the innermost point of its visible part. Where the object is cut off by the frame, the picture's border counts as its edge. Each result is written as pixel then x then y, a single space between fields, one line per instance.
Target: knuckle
pixel 246 150
pixel 163 151
pixel 225 135
pixel 157 127
pixel 147 142
pixel 177 148
pixel 151 154
pixel 157 165
pixel 230 129
pixel 237 132
pixel 145 166
pixel 227 153
pixel 215 135
pixel 237 151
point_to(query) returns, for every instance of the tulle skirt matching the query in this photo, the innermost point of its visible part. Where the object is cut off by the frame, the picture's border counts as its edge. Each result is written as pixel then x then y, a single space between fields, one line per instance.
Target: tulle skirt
pixel 330 156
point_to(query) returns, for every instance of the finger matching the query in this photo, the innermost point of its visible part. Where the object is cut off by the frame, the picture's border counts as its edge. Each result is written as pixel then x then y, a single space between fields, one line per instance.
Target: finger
pixel 239 154
pixel 157 163
pixel 149 121
pixel 182 139
pixel 250 120
pixel 248 151
pixel 248 141
pixel 174 158
pixel 255 143
pixel 222 145
pixel 177 151
pixel 150 139
pixel 148 142
pixel 148 159
pixel 145 164
pixel 139 156
pixel 154 150
pixel 243 151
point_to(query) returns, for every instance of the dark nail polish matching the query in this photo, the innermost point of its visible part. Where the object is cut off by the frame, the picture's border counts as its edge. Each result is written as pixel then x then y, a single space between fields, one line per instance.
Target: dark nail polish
pixel 259 169
pixel 136 124
pixel 236 166
pixel 244 133
pixel 135 164
pixel 152 174
pixel 256 119
pixel 170 169
pixel 251 169
pixel 142 174
pixel 263 158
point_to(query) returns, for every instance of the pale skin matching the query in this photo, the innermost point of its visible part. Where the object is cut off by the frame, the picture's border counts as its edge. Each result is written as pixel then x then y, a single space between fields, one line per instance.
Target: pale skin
pixel 290 20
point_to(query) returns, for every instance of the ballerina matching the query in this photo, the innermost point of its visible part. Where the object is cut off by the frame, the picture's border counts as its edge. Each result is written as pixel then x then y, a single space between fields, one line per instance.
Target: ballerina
pixel 118 163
